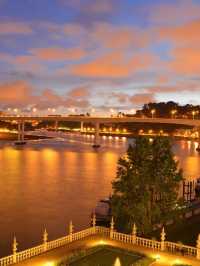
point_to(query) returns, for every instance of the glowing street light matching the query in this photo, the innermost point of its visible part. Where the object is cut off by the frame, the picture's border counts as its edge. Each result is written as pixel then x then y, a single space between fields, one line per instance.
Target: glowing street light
pixel 112 111
pixel 34 110
pixel 173 112
pixel 153 111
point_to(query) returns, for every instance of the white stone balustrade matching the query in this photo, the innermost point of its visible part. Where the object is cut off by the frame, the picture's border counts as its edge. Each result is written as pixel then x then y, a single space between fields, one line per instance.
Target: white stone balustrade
pixel 132 239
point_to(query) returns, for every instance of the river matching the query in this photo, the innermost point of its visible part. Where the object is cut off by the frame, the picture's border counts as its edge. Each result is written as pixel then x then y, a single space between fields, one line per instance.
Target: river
pixel 50 182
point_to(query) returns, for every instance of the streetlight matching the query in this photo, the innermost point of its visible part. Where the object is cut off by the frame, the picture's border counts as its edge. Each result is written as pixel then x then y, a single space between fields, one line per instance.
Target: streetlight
pixel 34 110
pixel 173 112
pixel 112 111
pixel 153 112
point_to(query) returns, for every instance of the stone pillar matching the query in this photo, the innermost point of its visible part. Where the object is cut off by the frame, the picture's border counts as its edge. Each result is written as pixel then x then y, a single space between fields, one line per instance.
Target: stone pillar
pixel 134 234
pixel 96 138
pixel 56 125
pixel 112 227
pixel 22 130
pixel 19 130
pixel 163 234
pixel 94 223
pixel 71 229
pixel 15 244
pixel 45 239
pixel 82 126
pixel 198 247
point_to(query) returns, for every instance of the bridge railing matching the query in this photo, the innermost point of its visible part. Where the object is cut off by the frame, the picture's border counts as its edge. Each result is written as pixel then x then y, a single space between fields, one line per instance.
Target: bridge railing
pixel 107 233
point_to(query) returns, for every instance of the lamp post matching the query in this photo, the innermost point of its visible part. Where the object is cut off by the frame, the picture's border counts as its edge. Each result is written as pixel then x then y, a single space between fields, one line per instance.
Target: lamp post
pixel 153 111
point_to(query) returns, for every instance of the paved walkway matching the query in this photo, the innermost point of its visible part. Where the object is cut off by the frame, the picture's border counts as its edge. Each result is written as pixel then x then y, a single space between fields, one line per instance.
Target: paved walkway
pixel 51 257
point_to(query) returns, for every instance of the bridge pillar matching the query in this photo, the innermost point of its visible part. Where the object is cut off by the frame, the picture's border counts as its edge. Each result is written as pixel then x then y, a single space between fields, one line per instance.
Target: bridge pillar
pixel 19 131
pixel 96 137
pixel 22 130
pixel 82 126
pixel 56 125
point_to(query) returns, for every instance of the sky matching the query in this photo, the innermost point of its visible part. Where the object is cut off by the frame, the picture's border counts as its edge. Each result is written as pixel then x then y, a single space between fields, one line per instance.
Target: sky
pixel 98 54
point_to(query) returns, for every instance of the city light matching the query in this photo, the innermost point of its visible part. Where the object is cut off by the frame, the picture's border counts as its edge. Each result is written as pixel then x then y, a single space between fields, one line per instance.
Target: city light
pixel 173 112
pixel 153 111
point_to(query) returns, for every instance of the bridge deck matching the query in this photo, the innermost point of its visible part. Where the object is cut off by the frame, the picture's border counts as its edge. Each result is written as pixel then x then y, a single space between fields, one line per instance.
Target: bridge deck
pixel 50 257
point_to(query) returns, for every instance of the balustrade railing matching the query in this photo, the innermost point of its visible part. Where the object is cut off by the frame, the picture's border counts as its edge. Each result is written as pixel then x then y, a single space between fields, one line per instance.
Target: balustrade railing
pixel 105 232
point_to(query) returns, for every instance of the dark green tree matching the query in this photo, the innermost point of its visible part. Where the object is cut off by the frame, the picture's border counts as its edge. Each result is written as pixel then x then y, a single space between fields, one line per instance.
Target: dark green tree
pixel 145 190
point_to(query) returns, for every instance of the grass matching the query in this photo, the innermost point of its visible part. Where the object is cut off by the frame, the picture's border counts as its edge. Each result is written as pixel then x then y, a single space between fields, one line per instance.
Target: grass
pixel 106 256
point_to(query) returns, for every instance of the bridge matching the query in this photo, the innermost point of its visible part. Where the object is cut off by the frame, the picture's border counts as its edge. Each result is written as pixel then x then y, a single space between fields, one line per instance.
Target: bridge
pixel 97 121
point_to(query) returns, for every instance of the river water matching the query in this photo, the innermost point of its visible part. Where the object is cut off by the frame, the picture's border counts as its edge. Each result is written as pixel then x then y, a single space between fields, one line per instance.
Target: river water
pixel 50 182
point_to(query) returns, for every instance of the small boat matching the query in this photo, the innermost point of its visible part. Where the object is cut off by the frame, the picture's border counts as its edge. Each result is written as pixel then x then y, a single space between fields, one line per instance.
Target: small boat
pixel 20 143
pixel 102 212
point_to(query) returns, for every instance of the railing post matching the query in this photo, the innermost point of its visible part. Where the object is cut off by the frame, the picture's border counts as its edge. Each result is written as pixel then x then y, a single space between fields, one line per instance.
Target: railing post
pixel 134 234
pixel 112 227
pixel 94 223
pixel 71 229
pixel 198 247
pixel 15 244
pixel 45 239
pixel 163 234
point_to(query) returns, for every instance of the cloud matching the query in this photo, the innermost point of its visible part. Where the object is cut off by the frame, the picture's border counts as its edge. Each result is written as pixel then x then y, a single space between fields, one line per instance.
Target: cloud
pixel 141 98
pixel 80 92
pixel 186 61
pixel 185 34
pixel 58 53
pixel 21 95
pixel 115 37
pixel 174 13
pixel 9 28
pixel 113 65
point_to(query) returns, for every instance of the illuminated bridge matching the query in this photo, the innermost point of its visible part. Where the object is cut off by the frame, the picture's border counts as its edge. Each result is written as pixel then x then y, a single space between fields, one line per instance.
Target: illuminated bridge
pixel 96 121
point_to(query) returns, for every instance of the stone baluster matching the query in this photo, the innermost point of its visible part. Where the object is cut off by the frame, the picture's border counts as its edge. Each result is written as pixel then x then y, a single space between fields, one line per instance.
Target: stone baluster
pixel 15 244
pixel 163 235
pixel 134 234
pixel 198 247
pixel 112 227
pixel 45 239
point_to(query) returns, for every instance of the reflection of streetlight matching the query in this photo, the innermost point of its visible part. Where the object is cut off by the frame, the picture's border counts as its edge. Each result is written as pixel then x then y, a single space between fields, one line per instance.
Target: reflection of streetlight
pixel 193 114
pixel 173 112
pixel 153 112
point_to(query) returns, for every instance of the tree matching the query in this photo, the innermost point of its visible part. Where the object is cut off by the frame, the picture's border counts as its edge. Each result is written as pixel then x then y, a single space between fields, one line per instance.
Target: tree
pixel 145 191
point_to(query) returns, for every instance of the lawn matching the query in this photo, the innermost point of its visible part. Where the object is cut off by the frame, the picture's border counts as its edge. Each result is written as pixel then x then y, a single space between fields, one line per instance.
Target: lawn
pixel 107 256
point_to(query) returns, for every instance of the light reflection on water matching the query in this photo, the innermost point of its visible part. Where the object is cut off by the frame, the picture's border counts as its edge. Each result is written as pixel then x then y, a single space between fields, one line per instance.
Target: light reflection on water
pixel 46 184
